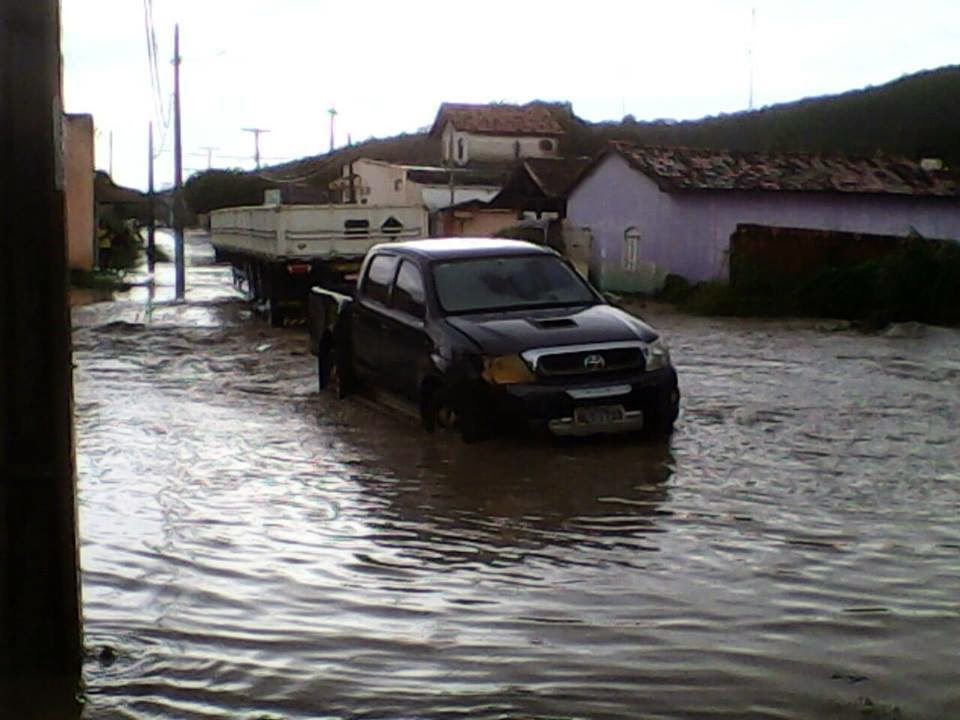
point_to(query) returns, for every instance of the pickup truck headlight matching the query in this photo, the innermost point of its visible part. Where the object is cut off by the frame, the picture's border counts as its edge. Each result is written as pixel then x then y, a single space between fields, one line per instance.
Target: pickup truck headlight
pixel 507 370
pixel 657 355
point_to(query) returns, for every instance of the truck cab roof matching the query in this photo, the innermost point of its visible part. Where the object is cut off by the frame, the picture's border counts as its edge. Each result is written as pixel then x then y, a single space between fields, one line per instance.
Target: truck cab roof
pixel 461 248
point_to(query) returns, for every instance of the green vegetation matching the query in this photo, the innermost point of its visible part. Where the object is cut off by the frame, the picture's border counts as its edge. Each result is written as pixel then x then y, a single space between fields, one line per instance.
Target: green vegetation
pixel 920 281
pixel 121 246
pixel 915 116
pixel 215 189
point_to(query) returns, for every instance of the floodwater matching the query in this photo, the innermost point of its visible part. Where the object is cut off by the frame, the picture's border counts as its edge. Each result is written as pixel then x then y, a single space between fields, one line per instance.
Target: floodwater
pixel 252 549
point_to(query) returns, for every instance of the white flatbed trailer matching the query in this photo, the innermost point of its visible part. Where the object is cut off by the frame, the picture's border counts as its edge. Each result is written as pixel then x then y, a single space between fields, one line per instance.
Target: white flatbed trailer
pixel 278 252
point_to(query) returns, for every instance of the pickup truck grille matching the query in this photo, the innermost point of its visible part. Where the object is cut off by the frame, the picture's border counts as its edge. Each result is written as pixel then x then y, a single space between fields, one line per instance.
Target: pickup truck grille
pixel 590 362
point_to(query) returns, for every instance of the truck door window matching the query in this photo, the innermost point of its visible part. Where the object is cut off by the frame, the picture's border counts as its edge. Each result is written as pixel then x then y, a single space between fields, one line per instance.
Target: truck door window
pixel 380 274
pixel 408 295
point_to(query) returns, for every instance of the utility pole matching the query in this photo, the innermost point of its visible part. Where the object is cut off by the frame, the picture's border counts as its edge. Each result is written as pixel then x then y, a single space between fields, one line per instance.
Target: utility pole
pixel 151 222
pixel 210 155
pixel 110 164
pixel 352 197
pixel 40 627
pixel 256 143
pixel 178 172
pixel 333 115
pixel 753 41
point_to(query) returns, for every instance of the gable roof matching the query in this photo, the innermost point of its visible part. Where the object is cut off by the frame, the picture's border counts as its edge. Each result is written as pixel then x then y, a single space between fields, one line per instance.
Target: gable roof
pixel 680 169
pixel 555 176
pixel 498 119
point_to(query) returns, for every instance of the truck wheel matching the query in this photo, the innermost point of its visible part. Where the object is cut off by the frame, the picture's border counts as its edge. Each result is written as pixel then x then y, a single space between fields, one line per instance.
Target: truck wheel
pixel 275 313
pixel 332 377
pixel 660 423
pixel 441 409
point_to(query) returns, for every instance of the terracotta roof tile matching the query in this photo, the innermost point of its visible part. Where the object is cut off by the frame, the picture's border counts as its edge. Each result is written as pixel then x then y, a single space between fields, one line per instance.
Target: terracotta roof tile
pixel 679 169
pixel 498 119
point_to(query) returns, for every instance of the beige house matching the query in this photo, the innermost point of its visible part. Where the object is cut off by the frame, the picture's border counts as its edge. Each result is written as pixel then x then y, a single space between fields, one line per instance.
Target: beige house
pixel 496 133
pixel 78 171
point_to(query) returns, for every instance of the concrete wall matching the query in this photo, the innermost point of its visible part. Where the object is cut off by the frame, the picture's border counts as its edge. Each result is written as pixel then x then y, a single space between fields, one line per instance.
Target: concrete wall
pixel 487 148
pixel 689 233
pixel 473 223
pixel 78 190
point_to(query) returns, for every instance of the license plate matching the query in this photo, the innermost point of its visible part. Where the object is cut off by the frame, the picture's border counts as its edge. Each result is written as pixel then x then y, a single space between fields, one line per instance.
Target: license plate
pixel 598 415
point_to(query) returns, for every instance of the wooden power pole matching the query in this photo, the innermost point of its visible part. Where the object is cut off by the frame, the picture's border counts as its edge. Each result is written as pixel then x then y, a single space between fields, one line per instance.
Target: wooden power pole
pixel 152 208
pixel 40 630
pixel 178 208
pixel 257 132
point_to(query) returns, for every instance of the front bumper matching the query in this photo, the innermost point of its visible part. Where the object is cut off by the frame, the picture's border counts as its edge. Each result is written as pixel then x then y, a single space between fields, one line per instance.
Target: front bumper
pixel 647 400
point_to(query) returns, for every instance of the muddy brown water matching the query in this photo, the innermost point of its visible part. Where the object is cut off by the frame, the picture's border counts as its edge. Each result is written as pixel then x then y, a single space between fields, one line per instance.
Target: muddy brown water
pixel 253 549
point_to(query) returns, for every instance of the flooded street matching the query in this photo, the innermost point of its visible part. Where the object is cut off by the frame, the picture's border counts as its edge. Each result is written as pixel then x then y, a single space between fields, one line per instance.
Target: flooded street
pixel 253 549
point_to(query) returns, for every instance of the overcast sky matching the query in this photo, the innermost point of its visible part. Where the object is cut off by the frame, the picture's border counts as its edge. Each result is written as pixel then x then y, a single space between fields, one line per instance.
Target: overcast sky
pixel 387 64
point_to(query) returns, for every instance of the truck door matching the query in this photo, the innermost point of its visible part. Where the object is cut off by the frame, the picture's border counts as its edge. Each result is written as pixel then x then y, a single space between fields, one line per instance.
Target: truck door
pixel 406 345
pixel 369 322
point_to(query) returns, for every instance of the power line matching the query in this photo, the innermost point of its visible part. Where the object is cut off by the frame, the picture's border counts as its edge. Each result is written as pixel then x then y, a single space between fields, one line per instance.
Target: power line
pixel 156 84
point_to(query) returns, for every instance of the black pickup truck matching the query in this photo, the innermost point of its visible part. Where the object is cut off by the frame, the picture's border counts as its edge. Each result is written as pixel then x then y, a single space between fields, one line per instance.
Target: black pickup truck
pixel 486 334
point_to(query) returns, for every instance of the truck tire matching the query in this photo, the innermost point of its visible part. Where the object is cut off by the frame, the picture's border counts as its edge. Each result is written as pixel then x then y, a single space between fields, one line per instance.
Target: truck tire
pixel 441 408
pixel 275 313
pixel 661 421
pixel 334 377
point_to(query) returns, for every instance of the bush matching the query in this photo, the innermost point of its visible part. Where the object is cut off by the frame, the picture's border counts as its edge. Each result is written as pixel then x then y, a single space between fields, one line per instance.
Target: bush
pixel 920 281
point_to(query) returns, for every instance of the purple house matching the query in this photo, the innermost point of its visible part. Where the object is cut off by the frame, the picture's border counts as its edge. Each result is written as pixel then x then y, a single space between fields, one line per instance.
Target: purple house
pixel 653 211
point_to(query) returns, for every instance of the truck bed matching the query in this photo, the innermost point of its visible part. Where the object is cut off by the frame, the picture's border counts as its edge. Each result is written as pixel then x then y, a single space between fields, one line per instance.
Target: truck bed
pixel 311 232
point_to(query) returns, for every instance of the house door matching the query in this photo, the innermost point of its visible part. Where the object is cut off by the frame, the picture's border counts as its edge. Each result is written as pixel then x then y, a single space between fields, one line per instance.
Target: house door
pixel 640 274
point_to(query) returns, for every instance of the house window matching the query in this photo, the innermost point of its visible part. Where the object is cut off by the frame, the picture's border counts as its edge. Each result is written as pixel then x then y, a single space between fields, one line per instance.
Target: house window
pixel 546 145
pixel 461 149
pixel 631 249
pixel 398 184
pixel 516 149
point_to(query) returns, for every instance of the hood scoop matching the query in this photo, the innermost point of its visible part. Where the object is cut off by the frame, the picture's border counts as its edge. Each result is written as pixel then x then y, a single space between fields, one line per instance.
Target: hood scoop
pixel 553 323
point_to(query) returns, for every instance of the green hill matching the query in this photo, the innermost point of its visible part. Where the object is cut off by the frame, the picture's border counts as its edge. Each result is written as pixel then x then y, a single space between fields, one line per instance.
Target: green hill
pixel 916 116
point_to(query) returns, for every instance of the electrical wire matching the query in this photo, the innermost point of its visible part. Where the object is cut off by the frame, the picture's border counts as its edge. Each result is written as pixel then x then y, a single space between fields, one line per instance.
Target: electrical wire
pixel 163 119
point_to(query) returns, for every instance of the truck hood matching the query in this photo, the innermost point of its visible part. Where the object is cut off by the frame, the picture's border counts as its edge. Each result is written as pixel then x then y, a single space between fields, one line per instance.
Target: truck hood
pixel 513 332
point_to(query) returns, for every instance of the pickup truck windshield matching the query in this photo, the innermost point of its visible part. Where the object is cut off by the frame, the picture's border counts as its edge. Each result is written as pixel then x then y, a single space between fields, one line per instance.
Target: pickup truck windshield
pixel 508 283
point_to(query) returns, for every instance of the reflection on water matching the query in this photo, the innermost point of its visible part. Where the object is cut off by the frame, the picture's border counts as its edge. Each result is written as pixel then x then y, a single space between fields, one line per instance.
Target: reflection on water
pixel 251 548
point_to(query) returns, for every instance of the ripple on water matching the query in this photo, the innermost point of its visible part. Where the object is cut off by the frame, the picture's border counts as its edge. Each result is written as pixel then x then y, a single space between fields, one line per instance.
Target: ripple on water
pixel 252 549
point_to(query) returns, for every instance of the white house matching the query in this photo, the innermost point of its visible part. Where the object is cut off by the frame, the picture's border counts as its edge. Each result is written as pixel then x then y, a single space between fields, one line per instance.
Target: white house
pixel 496 133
